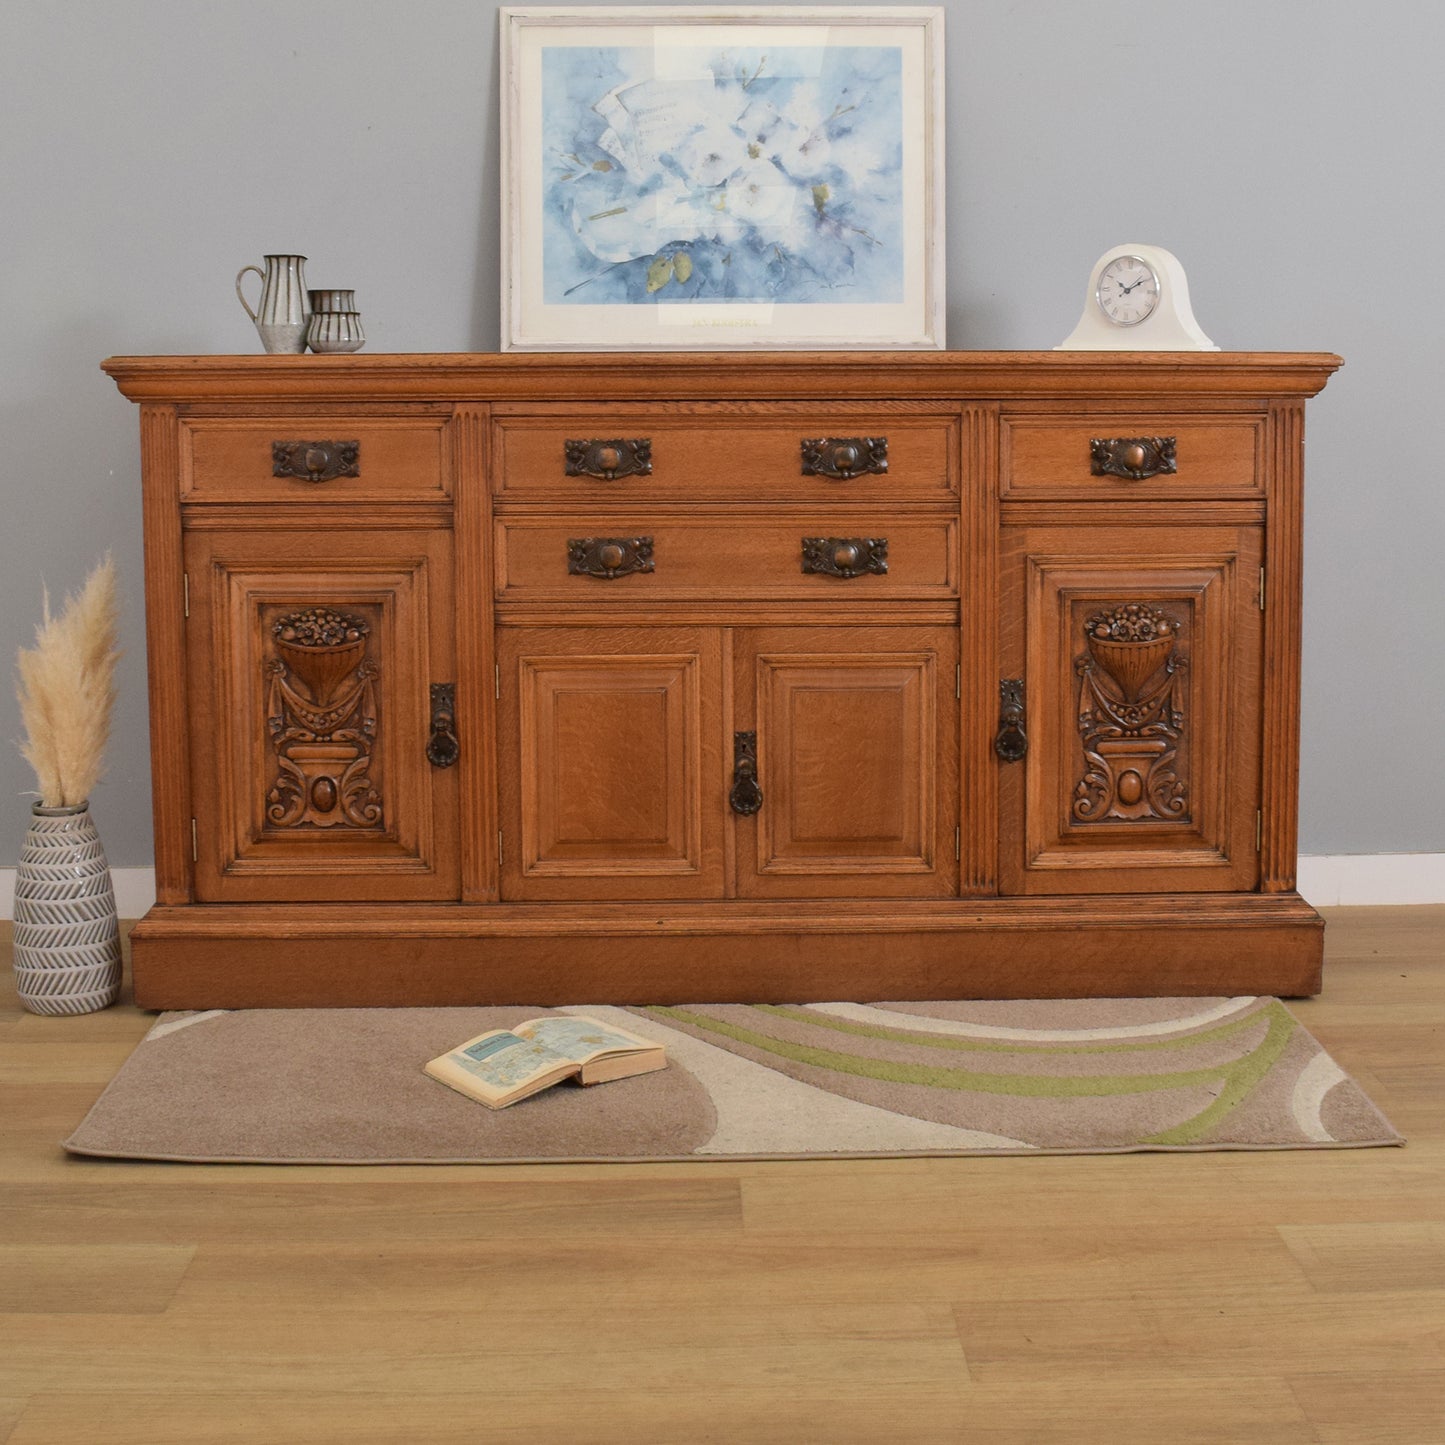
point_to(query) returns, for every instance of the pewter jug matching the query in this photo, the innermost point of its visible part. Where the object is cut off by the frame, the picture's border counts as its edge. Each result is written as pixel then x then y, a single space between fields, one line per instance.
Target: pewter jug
pixel 283 312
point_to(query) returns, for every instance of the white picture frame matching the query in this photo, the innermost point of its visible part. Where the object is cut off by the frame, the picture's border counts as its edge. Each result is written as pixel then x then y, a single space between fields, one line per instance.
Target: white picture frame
pixel 725 178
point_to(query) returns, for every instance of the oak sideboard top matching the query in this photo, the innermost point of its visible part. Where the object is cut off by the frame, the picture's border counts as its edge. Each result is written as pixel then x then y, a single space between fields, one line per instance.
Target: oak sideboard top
pixel 974 375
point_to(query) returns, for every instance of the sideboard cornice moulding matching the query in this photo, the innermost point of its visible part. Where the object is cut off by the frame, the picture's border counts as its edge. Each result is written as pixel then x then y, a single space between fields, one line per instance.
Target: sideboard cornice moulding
pixel 961 375
pixel 627 677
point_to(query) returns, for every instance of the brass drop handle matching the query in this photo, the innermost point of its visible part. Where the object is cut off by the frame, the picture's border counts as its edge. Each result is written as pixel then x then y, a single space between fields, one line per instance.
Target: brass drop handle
pixel 608 459
pixel 845 556
pixel 442 748
pixel 608 558
pixel 843 458
pixel 314 461
pixel 1011 742
pixel 746 796
pixel 1135 459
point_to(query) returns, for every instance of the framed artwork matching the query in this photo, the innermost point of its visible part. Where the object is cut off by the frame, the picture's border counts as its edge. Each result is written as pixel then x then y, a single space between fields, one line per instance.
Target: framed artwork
pixel 710 179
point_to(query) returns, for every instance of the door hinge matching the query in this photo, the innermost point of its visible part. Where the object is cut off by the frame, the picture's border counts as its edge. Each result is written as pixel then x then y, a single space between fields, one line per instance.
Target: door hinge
pixel 957 844
pixel 499 847
pixel 186 592
pixel 1259 830
pixel 195 850
pixel 497 680
pixel 958 680
pixel 1261 589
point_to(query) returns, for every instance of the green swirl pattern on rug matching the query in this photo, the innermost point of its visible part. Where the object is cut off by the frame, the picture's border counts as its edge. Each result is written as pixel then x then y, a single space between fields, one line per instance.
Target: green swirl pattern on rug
pixel 1211 1073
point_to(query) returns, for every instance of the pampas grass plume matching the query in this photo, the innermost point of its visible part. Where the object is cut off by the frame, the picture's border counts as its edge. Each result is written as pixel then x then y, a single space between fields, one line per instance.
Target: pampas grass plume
pixel 66 687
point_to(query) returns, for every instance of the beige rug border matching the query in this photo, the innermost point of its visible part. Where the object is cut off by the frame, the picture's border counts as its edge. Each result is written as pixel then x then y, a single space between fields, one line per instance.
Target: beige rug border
pixel 230 1159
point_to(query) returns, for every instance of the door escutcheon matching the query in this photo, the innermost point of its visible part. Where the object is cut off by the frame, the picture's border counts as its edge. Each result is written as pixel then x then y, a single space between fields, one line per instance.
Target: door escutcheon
pixel 1012 741
pixel 746 796
pixel 442 748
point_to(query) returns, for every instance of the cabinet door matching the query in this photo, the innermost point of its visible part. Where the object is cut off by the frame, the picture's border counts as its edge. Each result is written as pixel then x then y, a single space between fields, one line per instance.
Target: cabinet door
pixel 1139 654
pixel 311 663
pixel 856 735
pixel 609 759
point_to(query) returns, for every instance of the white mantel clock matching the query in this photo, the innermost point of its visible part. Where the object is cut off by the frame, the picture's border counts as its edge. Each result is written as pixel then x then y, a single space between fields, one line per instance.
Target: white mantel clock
pixel 1138 301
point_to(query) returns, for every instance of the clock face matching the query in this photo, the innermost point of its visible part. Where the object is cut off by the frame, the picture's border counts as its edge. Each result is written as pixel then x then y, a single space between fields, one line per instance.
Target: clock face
pixel 1128 290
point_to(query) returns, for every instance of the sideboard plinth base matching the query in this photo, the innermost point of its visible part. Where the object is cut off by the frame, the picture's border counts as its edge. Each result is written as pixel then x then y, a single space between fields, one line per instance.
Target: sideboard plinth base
pixel 328 955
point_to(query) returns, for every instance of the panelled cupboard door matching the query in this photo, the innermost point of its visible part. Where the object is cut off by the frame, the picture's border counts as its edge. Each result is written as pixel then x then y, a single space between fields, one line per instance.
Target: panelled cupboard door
pixel 609 759
pixel 311 662
pixel 856 740
pixel 1139 652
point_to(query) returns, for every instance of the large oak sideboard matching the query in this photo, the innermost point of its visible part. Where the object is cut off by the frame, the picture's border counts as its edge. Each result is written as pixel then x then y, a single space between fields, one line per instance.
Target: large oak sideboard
pixel 672 677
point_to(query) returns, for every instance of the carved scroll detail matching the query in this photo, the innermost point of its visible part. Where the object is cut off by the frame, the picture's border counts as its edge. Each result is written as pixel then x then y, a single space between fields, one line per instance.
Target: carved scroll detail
pixel 1130 716
pixel 321 717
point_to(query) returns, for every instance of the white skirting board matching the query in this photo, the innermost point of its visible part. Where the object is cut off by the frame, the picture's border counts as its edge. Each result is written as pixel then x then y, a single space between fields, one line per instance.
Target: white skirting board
pixel 1327 881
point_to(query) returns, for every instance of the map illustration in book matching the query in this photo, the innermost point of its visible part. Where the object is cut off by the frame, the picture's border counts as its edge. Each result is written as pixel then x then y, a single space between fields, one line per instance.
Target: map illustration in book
pixel 501 1066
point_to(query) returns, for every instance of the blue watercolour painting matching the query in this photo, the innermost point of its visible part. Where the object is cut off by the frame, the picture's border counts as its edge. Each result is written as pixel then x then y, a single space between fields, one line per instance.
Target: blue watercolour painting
pixel 701 174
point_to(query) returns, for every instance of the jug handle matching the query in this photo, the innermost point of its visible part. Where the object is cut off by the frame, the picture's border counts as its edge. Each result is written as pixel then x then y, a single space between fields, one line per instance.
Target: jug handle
pixel 240 296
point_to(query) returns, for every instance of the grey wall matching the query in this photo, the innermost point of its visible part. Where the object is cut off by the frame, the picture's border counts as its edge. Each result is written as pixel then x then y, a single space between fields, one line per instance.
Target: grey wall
pixel 1286 150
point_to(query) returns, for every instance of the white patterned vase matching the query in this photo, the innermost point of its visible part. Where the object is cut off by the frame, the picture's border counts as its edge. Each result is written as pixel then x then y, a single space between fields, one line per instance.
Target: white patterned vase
pixel 67 940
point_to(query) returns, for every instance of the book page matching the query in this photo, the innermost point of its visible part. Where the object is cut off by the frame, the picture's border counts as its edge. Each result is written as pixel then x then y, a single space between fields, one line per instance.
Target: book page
pixel 581 1039
pixel 504 1061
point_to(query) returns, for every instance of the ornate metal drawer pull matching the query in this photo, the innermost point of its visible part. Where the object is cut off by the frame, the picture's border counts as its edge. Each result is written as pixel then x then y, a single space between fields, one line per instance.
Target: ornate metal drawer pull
pixel 316 461
pixel 609 557
pixel 1136 459
pixel 746 797
pixel 442 748
pixel 845 556
pixel 609 459
pixel 1012 741
pixel 844 458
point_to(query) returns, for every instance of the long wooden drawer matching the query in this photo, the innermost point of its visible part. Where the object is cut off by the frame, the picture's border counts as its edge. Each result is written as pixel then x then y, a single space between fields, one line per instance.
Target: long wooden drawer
pixel 762 454
pixel 1074 457
pixel 743 557
pixel 369 458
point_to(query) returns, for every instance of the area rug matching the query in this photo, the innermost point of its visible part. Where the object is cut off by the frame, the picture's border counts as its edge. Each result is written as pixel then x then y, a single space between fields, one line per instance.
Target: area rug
pixel 743 1081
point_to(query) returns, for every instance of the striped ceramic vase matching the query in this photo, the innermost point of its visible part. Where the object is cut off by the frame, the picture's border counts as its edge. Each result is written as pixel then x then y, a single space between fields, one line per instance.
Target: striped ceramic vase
pixel 67 941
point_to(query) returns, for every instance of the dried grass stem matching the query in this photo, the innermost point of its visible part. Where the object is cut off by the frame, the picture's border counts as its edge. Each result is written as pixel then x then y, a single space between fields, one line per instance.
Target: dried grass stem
pixel 66 687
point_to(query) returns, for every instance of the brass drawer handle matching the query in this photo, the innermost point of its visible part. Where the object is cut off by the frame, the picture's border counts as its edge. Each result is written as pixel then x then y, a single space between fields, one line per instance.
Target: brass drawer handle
pixel 746 796
pixel 609 557
pixel 442 748
pixel 845 556
pixel 1012 741
pixel 1136 459
pixel 316 461
pixel 609 460
pixel 844 458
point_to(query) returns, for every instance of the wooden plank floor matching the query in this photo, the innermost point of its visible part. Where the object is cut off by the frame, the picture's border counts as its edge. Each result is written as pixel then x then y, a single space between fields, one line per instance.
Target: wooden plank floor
pixel 1132 1300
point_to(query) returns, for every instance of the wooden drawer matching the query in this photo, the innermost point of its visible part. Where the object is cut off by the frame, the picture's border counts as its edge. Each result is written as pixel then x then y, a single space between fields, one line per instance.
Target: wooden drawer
pixel 226 459
pixel 739 557
pixel 1054 456
pixel 755 453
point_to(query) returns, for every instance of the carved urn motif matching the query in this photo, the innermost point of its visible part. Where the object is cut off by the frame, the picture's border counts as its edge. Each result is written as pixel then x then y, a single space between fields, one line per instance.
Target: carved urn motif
pixel 1131 644
pixel 322 717
pixel 1131 719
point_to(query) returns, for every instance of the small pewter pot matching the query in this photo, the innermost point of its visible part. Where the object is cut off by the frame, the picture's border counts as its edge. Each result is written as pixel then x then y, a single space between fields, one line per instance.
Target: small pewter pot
pixel 336 331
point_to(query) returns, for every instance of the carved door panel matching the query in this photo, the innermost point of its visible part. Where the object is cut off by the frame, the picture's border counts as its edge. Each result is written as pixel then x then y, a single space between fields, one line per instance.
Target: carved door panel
pixel 853 733
pixel 1140 709
pixel 322 741
pixel 609 749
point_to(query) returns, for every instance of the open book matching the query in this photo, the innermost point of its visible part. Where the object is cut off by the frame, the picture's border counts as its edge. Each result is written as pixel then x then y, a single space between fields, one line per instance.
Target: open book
pixel 503 1065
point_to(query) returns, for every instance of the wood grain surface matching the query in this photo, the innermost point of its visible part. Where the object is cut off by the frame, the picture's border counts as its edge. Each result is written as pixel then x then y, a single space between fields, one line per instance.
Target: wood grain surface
pixel 1290 1298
